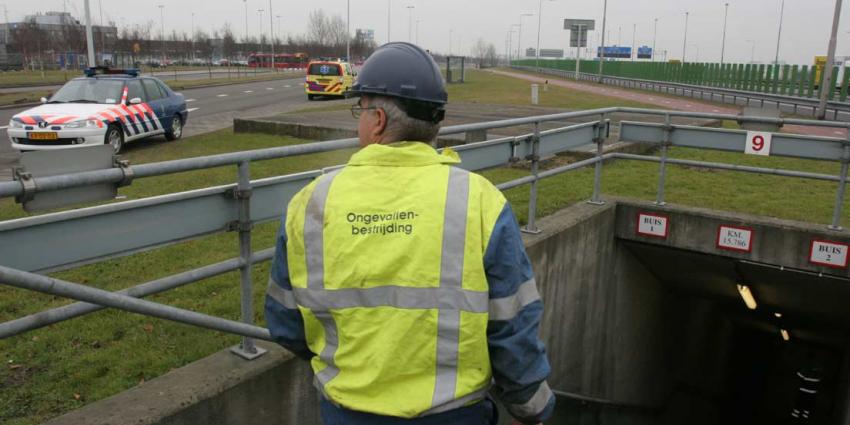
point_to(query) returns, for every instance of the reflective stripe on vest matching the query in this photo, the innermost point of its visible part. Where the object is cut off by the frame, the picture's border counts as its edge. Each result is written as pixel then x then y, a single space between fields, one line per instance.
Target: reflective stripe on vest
pixel 451 278
pixel 449 298
pixel 314 230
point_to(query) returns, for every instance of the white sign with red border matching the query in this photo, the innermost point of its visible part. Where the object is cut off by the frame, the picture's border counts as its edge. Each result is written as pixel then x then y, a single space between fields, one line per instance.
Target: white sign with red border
pixel 652 225
pixel 758 143
pixel 733 238
pixel 829 254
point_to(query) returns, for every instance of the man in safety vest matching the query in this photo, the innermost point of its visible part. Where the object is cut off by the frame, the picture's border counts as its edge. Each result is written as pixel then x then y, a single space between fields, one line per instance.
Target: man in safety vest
pixel 402 278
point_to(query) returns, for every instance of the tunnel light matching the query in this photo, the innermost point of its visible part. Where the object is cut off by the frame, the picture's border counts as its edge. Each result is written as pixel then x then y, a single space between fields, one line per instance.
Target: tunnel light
pixel 778 315
pixel 747 295
pixel 785 335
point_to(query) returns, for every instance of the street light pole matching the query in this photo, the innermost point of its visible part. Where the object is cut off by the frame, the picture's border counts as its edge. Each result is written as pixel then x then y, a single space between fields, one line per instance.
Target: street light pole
pixel 654 39
pixel 162 31
pixel 753 53
pixel 410 23
pixel 271 34
pixel 193 37
pixel 450 41
pixel 89 36
pixel 347 30
pixel 417 31
pixel 278 26
pixel 519 36
pixel 389 34
pixel 539 23
pixel 260 39
pixel 723 45
pixel 634 42
pixel 602 49
pixel 830 60
pixel 779 35
pixel 685 42
pixel 246 19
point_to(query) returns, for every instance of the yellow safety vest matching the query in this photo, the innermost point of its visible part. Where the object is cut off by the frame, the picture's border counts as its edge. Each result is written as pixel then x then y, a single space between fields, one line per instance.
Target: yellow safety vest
pixel 386 262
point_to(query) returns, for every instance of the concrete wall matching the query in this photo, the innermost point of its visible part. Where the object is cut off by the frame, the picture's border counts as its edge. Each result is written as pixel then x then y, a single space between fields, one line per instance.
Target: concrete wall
pixel 220 389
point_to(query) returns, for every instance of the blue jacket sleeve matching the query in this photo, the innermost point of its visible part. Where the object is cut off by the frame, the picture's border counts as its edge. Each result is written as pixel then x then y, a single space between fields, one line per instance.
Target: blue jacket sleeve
pixel 283 318
pixel 517 355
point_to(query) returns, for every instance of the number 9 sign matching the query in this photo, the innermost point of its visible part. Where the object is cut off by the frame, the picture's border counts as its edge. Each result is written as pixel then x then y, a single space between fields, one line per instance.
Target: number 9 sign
pixel 758 143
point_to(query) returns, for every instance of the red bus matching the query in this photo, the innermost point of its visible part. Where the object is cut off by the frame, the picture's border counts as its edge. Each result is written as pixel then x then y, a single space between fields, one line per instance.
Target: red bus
pixel 281 60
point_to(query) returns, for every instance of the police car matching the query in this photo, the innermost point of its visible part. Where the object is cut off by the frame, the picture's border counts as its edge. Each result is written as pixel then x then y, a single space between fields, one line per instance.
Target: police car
pixel 107 106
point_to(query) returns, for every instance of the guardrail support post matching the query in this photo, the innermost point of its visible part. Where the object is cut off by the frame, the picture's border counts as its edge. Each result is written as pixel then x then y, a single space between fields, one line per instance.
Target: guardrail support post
pixel 531 226
pixel 601 135
pixel 242 194
pixel 842 183
pixel 662 168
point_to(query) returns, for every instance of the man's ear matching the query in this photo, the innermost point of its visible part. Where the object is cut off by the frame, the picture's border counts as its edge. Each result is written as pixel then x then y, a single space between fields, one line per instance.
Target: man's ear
pixel 380 123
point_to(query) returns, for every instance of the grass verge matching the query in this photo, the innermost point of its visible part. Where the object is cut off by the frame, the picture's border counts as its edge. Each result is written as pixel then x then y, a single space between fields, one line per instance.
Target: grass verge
pixel 488 88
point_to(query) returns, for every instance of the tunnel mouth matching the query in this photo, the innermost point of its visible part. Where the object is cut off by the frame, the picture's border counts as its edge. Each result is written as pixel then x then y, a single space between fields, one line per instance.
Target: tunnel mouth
pixel 779 357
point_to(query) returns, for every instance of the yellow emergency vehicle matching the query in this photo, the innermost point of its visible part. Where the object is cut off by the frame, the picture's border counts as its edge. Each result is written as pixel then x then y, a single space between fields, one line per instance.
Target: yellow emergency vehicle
pixel 329 78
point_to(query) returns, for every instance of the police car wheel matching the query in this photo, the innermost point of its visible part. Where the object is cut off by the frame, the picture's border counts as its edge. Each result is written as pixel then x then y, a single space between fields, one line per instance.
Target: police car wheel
pixel 114 137
pixel 176 131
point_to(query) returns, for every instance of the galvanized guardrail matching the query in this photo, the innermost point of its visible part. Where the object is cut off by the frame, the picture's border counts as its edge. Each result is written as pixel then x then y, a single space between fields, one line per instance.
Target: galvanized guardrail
pixel 30 245
pixel 839 111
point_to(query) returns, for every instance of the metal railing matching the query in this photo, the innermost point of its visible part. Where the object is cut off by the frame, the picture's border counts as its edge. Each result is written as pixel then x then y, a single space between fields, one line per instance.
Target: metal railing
pixel 796 105
pixel 28 245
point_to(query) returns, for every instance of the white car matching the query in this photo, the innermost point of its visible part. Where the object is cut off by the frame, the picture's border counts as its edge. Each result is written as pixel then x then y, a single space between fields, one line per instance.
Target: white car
pixel 105 107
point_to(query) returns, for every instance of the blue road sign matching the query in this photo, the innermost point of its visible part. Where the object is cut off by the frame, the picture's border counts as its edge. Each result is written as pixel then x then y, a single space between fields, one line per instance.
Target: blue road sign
pixel 615 52
pixel 644 52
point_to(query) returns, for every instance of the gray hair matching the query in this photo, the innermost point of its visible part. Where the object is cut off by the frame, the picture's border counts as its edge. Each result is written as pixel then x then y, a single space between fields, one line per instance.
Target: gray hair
pixel 400 126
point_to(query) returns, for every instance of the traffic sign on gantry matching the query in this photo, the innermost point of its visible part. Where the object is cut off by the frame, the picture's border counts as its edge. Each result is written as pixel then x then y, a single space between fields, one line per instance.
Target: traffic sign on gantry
pixel 578 30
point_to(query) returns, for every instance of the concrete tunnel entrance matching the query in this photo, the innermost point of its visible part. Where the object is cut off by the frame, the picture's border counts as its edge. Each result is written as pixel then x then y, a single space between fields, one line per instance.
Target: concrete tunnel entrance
pixel 657 331
pixel 730 364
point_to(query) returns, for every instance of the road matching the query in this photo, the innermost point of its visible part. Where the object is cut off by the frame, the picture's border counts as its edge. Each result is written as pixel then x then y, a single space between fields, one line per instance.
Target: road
pixel 210 109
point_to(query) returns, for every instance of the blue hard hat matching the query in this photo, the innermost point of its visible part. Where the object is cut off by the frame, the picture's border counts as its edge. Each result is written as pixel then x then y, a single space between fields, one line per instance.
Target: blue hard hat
pixel 406 72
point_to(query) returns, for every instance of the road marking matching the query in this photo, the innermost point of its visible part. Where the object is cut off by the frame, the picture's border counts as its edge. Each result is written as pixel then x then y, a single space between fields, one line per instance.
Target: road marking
pixel 192 109
pixel 190 100
pixel 287 86
pixel 836 131
pixel 248 91
pixel 4 127
pixel 222 95
pixel 269 88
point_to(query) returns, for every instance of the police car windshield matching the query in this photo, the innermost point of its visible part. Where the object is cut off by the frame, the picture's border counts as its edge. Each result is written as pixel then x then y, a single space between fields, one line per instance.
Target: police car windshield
pixel 324 69
pixel 89 90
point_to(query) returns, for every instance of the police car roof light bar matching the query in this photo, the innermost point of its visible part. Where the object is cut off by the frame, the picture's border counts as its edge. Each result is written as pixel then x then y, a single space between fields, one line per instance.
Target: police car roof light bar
pixel 105 70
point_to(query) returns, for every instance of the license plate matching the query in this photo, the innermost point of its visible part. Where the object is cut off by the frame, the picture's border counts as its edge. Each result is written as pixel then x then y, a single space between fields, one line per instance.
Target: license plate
pixel 44 136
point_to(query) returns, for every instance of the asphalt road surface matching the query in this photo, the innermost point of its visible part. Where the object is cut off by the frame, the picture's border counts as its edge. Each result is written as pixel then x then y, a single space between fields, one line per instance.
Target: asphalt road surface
pixel 210 109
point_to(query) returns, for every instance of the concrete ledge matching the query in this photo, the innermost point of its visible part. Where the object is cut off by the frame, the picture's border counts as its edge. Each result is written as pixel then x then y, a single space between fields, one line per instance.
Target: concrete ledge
pixel 220 389
pixel 301 131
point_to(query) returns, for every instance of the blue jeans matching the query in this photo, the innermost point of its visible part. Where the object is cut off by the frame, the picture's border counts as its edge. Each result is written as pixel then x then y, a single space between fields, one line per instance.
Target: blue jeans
pixel 483 413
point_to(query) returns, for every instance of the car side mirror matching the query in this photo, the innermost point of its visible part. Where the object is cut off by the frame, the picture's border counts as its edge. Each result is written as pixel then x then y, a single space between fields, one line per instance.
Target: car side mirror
pixel 43 100
pixel 135 100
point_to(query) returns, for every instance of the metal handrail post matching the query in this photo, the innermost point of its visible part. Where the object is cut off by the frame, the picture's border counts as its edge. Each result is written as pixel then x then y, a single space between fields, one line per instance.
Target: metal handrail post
pixel 662 168
pixel 242 194
pixel 601 135
pixel 839 195
pixel 531 226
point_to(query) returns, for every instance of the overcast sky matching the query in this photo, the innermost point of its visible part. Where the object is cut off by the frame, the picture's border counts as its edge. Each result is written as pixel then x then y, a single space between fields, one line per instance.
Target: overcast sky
pixel 805 31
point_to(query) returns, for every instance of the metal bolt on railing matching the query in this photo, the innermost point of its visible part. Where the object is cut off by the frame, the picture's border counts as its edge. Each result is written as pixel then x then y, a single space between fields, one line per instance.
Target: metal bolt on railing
pixel 662 168
pixel 842 185
pixel 247 349
pixel 601 130
pixel 531 225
